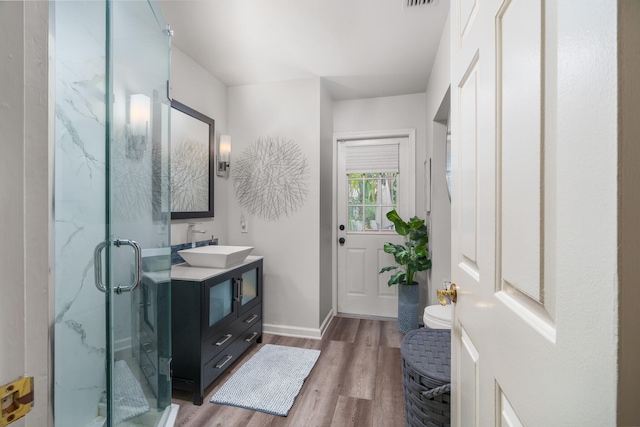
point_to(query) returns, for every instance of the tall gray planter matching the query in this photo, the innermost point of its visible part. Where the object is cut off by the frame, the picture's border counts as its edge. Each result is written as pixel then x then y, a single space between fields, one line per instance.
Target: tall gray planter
pixel 408 300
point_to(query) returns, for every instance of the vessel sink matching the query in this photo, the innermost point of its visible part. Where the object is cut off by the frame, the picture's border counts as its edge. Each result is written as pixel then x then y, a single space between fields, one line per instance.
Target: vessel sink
pixel 215 256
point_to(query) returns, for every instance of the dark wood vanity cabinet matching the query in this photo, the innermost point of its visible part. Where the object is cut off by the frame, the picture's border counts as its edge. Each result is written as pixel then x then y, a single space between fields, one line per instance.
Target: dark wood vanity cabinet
pixel 151 342
pixel 212 323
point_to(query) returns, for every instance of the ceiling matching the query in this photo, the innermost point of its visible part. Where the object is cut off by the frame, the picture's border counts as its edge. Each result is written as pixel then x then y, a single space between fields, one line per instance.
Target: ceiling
pixel 362 48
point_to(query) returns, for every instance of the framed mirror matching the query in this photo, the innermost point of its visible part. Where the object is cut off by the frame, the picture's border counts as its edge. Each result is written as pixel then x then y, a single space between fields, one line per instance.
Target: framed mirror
pixel 192 163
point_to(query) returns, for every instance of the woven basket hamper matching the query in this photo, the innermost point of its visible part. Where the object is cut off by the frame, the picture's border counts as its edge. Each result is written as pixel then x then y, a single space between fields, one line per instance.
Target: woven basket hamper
pixel 426 377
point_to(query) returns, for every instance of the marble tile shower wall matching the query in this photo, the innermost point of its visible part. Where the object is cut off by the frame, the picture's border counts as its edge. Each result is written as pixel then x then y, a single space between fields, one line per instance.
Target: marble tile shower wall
pixel 80 347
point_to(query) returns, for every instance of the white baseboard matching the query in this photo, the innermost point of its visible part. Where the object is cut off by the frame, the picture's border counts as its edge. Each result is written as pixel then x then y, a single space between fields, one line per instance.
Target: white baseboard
pixel 122 344
pixel 325 323
pixel 291 331
pixel 298 332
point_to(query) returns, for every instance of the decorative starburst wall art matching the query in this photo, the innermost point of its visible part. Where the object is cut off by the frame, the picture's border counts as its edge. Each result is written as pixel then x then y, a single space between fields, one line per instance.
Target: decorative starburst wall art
pixel 271 178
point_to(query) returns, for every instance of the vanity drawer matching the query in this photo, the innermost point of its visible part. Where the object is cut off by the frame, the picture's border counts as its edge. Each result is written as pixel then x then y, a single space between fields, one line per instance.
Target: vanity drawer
pixel 226 334
pixel 250 318
pixel 150 371
pixel 218 364
pixel 219 341
pixel 251 335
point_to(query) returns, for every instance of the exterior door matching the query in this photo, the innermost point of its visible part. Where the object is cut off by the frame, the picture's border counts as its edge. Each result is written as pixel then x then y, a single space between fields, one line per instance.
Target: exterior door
pixel 375 176
pixel 534 213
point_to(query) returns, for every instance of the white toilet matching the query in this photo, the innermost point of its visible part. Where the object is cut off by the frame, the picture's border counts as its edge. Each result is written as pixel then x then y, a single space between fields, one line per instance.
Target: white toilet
pixel 437 316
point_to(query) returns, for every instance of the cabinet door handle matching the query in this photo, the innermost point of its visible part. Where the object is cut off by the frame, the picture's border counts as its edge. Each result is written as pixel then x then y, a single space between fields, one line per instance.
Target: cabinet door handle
pixel 251 337
pixel 251 319
pixel 224 362
pixel 238 282
pixel 226 338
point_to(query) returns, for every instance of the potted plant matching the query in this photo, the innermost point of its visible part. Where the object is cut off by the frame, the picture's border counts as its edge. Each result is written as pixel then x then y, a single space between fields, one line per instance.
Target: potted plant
pixel 410 258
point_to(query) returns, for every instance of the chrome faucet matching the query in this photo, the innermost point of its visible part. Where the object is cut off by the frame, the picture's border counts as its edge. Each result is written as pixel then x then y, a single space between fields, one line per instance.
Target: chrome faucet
pixel 192 230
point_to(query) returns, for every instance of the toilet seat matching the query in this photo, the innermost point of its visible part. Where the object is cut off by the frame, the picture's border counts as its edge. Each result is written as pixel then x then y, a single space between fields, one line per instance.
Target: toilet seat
pixel 437 316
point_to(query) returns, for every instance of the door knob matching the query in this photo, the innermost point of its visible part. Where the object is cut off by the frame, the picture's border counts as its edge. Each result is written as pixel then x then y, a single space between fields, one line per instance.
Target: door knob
pixel 341 241
pixel 452 293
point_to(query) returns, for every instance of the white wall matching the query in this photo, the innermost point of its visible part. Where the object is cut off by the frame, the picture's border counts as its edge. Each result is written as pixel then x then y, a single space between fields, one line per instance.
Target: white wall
pixel 194 87
pixel 290 245
pixel 388 113
pixel 437 111
pixel 327 242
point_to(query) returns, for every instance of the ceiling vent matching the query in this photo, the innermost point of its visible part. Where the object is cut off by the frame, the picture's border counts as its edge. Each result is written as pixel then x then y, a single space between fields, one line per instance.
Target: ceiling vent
pixel 411 3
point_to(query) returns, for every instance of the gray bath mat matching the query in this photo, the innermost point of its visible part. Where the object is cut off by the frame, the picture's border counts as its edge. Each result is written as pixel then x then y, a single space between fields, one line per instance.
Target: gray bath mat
pixel 129 399
pixel 270 381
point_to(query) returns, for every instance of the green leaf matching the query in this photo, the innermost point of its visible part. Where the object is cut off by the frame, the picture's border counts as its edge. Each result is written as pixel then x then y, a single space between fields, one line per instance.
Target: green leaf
pixel 421 251
pixel 415 223
pixel 402 257
pixel 396 278
pixel 402 228
pixel 391 268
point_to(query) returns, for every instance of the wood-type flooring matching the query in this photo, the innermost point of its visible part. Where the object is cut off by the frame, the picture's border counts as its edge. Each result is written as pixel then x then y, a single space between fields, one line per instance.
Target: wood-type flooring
pixel 356 382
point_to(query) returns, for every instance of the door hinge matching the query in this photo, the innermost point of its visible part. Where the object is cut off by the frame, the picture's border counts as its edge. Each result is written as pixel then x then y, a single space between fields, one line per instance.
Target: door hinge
pixel 17 400
pixel 165 367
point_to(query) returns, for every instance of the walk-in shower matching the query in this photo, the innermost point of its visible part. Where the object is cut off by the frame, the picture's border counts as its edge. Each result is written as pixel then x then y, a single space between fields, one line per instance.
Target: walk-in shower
pixel 112 342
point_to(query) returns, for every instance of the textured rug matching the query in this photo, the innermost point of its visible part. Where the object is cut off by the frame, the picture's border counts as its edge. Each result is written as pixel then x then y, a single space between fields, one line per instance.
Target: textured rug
pixel 129 400
pixel 270 381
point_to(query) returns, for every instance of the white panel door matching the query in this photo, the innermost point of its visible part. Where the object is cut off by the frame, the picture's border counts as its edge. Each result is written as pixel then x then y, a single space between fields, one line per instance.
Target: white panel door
pixel 12 245
pixel 363 199
pixel 533 228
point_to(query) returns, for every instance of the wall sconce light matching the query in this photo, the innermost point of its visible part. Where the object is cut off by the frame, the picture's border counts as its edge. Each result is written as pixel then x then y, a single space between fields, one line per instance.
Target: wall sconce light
pixel 138 129
pixel 224 152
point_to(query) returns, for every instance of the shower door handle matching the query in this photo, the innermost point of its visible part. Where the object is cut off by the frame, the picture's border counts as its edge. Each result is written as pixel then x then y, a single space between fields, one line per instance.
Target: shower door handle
pixel 97 263
pixel 138 265
pixel 97 266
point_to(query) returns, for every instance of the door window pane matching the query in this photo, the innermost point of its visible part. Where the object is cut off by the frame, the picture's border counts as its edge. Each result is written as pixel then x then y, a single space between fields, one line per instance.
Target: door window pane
pixel 372 218
pixel 386 224
pixel 371 191
pixel 388 190
pixel 356 219
pixel 370 197
pixel 355 191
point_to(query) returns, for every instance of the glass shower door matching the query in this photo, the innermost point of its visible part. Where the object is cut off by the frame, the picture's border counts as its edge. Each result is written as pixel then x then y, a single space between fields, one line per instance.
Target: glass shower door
pixel 139 257
pixel 112 216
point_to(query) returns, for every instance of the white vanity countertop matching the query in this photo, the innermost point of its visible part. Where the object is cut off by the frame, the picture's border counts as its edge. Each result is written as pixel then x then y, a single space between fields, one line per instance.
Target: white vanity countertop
pixel 161 276
pixel 198 274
